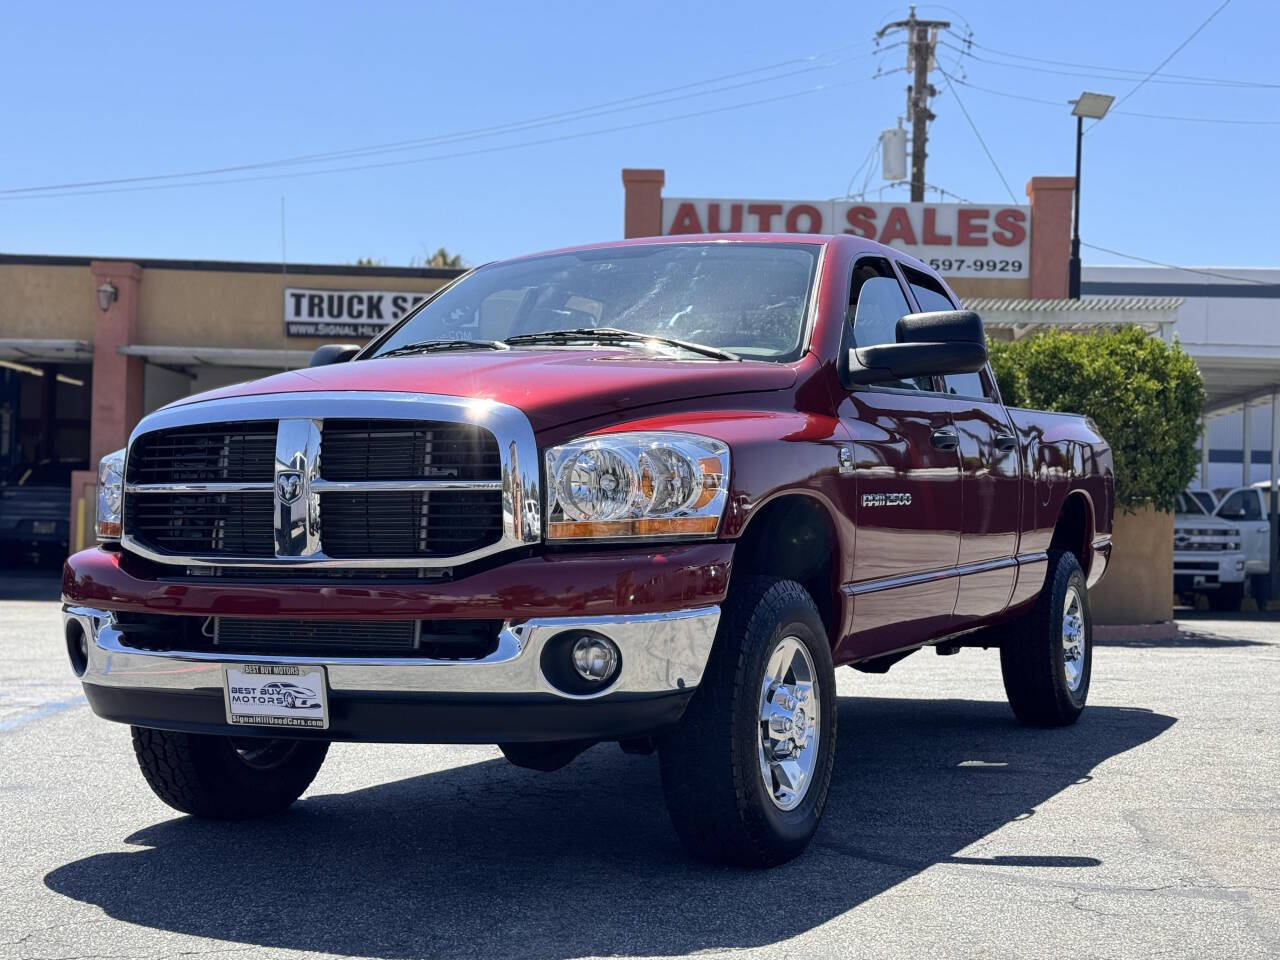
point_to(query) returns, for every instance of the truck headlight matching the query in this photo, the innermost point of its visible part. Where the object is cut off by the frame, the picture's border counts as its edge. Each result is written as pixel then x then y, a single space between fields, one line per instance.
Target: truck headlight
pixel 110 495
pixel 643 484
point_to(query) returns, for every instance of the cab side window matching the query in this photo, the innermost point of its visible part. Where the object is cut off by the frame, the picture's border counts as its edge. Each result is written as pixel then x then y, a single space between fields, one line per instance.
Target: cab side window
pixel 930 295
pixel 876 303
pixel 1241 505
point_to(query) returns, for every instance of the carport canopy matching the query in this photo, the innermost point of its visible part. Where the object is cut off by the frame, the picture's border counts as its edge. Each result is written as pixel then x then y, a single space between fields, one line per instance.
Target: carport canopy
pixel 20 350
pixel 219 357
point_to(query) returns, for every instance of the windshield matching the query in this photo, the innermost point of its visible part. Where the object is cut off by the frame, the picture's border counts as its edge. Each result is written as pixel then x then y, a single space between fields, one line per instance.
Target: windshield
pixel 747 298
pixel 1186 503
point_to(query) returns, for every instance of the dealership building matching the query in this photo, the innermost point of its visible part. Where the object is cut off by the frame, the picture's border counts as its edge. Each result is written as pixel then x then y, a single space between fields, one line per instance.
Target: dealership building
pixel 90 344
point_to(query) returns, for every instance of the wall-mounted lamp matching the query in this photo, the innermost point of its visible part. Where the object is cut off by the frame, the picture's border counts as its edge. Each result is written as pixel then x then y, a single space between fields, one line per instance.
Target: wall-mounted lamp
pixel 107 294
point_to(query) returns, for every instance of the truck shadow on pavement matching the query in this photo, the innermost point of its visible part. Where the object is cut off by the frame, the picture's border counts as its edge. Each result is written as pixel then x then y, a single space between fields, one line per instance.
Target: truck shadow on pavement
pixel 488 860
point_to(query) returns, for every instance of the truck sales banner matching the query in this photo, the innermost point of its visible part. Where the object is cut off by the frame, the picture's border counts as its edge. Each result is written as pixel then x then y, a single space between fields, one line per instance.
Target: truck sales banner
pixel 344 313
pixel 956 239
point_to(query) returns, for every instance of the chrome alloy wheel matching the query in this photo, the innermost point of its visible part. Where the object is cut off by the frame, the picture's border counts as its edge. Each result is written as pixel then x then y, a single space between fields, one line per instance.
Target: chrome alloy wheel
pixel 1073 639
pixel 790 712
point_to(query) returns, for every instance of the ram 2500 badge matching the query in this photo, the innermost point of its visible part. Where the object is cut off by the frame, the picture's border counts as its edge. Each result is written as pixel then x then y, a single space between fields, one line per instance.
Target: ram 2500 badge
pixel 649 492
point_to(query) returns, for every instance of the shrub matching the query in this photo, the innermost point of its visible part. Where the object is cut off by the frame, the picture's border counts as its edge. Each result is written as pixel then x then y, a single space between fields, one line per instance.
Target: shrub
pixel 1144 394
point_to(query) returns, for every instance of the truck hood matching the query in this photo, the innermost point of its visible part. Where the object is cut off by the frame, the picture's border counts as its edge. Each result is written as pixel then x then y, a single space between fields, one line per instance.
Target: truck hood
pixel 1196 521
pixel 552 387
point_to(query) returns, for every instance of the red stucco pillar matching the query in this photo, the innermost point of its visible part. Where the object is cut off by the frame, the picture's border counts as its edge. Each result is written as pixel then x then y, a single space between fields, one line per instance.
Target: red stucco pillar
pixel 643 212
pixel 1050 235
pixel 117 379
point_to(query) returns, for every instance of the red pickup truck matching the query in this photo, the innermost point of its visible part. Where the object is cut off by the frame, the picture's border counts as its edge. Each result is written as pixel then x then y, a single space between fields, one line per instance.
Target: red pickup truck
pixel 650 492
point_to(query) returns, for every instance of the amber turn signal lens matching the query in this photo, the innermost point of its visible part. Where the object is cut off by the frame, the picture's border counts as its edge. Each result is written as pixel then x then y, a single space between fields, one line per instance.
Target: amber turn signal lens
pixel 582 529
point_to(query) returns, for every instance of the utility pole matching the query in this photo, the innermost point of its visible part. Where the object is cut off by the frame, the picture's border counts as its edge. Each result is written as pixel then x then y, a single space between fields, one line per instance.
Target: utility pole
pixel 922 40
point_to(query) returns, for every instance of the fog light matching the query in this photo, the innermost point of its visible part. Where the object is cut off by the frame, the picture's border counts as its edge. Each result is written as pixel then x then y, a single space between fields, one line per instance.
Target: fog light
pixel 595 658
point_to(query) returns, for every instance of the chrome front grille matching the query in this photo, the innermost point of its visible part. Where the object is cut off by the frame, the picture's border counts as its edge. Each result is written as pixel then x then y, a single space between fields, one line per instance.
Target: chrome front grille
pixel 426 524
pixel 414 482
pixel 399 450
pixel 205 453
pixel 186 524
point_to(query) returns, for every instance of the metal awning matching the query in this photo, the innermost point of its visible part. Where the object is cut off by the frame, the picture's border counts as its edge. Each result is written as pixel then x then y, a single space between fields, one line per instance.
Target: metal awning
pixel 1233 378
pixel 1022 317
pixel 219 357
pixel 45 351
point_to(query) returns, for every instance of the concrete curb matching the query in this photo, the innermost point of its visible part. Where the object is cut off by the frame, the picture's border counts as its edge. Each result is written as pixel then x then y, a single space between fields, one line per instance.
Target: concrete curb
pixel 1132 632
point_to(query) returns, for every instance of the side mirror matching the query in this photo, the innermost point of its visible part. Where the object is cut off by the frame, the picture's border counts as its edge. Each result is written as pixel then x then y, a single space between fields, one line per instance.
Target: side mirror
pixel 333 353
pixel 929 344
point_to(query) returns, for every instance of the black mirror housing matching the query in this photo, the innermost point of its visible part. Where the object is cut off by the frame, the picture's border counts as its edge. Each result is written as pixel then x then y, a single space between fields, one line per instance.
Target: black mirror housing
pixel 929 344
pixel 333 353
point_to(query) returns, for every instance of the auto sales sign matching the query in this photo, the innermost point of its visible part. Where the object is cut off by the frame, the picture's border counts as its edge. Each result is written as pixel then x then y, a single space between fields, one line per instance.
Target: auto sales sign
pixel 956 239
pixel 344 313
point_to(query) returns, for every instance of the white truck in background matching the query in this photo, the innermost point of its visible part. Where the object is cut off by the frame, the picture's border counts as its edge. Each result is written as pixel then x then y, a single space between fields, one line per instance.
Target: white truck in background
pixel 1216 553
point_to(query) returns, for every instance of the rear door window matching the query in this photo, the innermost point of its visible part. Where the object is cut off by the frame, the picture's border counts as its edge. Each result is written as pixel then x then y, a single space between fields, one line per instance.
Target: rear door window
pixel 931 297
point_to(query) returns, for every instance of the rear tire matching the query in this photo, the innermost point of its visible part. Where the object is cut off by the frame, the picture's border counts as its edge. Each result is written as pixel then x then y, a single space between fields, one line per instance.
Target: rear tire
pixel 226 778
pixel 1047 656
pixel 771 658
pixel 1227 598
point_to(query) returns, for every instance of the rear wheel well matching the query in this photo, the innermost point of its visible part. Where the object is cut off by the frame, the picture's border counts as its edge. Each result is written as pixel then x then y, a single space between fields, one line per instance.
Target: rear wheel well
pixel 794 538
pixel 1073 532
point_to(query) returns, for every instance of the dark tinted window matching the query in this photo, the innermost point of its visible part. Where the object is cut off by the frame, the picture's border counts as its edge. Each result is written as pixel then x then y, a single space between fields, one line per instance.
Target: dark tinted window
pixel 876 304
pixel 1241 505
pixel 931 297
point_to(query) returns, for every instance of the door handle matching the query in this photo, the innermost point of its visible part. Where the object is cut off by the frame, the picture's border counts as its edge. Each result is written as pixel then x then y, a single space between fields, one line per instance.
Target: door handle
pixel 944 438
pixel 1005 442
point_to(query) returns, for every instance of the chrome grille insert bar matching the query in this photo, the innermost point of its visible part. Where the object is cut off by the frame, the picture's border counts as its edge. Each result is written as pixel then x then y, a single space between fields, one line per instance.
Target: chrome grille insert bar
pixel 221 486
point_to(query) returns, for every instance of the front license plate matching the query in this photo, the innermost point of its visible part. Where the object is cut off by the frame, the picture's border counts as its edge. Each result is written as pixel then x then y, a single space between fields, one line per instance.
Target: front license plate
pixel 44 526
pixel 276 695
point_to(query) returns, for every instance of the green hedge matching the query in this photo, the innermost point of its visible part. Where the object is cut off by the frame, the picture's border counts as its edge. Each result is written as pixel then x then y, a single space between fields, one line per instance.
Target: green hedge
pixel 1144 394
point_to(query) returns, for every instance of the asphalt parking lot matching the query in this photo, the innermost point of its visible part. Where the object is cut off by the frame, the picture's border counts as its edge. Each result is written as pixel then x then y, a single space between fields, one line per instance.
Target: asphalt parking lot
pixel 1150 829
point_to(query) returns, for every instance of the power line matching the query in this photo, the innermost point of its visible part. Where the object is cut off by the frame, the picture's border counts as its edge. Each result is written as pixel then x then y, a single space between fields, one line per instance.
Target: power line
pixel 581 113
pixel 1225 81
pixel 848 191
pixel 498 148
pixel 1176 50
pixel 1089 72
pixel 1171 266
pixel 1124 113
pixel 976 133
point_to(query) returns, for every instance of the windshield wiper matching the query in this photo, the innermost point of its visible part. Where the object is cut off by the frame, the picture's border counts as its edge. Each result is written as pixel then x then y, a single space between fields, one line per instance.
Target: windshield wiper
pixel 614 335
pixel 431 346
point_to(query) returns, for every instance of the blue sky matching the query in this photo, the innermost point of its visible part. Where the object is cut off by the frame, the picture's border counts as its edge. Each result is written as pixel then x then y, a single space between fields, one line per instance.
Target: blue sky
pixel 99 92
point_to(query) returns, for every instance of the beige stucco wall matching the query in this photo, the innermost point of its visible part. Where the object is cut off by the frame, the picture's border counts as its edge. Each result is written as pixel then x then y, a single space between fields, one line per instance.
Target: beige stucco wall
pixel 1138 586
pixel 972 288
pixel 208 308
pixel 46 302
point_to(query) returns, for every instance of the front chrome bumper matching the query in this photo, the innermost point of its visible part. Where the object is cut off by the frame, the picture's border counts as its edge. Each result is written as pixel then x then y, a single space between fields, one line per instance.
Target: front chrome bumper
pixel 661 653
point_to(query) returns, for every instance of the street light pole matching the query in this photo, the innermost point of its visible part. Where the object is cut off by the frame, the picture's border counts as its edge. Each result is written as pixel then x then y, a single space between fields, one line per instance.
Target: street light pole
pixel 1094 106
pixel 1073 269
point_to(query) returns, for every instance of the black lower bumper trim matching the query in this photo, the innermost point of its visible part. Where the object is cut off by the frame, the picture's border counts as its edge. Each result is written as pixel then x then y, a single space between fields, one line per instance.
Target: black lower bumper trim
pixel 409 718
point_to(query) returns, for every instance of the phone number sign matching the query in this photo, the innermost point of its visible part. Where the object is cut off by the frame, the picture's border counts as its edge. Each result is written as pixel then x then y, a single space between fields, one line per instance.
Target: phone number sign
pixel 956 239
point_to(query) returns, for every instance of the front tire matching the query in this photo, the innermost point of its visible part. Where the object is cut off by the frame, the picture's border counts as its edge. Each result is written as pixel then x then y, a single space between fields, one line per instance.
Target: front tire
pixel 747 771
pixel 1047 656
pixel 226 778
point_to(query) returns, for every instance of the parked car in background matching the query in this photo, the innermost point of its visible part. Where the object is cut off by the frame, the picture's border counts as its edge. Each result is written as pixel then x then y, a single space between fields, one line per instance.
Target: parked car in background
pixel 35 508
pixel 1248 509
pixel 1208 556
